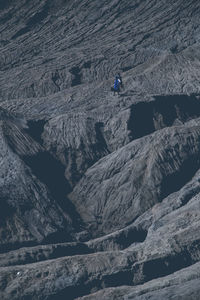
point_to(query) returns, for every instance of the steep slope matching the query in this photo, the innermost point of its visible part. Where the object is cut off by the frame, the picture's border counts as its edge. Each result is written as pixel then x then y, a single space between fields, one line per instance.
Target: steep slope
pixel 47 48
pixel 28 213
pixel 99 194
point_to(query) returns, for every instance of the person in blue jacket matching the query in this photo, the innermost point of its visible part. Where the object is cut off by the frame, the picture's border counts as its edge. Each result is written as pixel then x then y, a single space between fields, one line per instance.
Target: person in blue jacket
pixel 117 85
pixel 120 78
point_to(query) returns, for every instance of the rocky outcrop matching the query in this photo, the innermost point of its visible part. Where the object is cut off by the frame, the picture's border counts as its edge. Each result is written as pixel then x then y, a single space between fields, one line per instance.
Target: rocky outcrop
pixel 171 245
pixel 121 186
pixel 77 140
pixel 29 214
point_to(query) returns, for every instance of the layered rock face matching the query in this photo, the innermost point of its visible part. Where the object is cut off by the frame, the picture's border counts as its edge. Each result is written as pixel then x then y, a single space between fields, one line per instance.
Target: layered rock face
pixel 99 194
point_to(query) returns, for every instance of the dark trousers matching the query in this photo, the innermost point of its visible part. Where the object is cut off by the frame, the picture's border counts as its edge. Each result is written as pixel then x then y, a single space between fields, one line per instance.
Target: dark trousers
pixel 116 91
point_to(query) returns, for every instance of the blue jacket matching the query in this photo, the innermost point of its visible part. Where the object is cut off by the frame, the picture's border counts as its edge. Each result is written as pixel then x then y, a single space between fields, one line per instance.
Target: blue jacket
pixel 116 84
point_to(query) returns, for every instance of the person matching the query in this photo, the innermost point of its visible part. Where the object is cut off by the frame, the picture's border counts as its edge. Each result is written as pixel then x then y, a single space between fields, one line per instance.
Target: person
pixel 120 78
pixel 117 85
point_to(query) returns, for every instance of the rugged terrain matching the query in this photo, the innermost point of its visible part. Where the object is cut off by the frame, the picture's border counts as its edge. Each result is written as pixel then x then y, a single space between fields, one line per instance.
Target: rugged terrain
pixel 99 194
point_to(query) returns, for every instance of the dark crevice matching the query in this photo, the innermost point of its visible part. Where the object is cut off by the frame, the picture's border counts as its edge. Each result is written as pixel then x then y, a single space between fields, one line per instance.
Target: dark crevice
pixel 74 174
pixel 6 210
pixel 141 121
pixel 147 117
pixel 59 236
pixel 33 21
pixel 4 4
pixel 22 31
pixel 35 129
pixel 125 239
pixel 163 266
pixel 55 78
pixel 178 179
pixel 174 49
pixel 45 61
pixel 16 245
pixel 36 254
pixel 3 42
pixel 38 17
pixel 51 172
pixel 189 194
pixel 3 20
pixel 77 76
pixel 78 161
pixel 125 69
pixel 118 279
pixel 124 277
pixel 121 240
pixel 63 250
pixel 101 142
pixel 167 265
pixel 87 65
